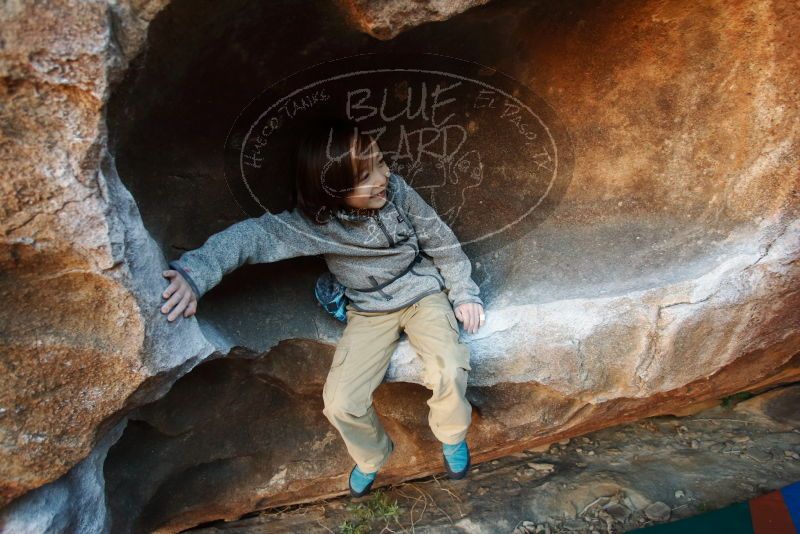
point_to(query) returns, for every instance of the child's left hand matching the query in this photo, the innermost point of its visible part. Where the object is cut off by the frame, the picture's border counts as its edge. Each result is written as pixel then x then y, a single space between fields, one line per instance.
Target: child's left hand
pixel 471 314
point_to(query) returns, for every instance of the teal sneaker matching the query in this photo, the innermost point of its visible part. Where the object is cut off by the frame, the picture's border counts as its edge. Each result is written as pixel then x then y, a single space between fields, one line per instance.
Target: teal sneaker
pixel 361 482
pixel 456 459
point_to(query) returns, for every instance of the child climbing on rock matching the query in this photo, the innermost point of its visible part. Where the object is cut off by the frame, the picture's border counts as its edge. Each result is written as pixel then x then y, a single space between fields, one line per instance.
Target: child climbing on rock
pixel 401 267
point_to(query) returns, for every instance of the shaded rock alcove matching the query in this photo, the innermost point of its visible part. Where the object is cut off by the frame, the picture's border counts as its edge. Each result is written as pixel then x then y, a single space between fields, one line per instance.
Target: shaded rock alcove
pixel 661 272
pixel 241 433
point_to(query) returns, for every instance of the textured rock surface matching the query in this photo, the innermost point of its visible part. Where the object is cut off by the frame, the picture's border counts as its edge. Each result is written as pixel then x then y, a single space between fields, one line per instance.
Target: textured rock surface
pixel 387 19
pixel 214 452
pixel 75 502
pixel 666 275
pixel 72 329
pixel 604 481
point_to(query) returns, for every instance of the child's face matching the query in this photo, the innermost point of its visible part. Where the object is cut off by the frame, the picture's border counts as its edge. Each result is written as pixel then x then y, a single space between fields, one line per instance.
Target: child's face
pixel 369 191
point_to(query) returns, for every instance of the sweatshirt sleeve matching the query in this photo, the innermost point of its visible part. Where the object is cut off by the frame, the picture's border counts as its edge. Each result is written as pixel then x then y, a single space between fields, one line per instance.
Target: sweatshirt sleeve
pixel 268 238
pixel 439 241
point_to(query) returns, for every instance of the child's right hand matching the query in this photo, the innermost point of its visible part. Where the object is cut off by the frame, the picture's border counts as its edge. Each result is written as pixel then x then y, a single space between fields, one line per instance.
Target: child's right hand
pixel 180 296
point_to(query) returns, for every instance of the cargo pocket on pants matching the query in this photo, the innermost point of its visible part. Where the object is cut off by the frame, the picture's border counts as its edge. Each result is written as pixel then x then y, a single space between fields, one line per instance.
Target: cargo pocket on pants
pixel 462 350
pixel 332 380
pixel 451 318
pixel 339 389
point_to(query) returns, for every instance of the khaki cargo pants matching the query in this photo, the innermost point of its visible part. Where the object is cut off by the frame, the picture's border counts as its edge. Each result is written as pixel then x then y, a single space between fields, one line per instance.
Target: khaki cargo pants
pixel 360 362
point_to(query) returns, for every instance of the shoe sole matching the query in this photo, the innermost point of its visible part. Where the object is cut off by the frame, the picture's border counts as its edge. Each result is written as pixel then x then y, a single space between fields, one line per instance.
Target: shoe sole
pixel 457 475
pixel 354 493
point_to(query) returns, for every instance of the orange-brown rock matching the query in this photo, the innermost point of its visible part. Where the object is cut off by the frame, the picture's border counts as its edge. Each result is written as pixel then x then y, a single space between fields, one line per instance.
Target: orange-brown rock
pixel 72 330
pixel 214 452
pixel 387 19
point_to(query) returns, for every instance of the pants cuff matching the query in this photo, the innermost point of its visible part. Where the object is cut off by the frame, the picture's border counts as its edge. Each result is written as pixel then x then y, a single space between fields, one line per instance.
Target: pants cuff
pixel 452 439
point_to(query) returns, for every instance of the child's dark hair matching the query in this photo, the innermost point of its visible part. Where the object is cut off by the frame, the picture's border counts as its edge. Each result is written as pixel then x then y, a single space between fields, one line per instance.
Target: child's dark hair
pixel 326 170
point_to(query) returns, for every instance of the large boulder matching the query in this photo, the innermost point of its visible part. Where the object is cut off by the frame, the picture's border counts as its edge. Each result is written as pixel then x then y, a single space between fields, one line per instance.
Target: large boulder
pixel 659 272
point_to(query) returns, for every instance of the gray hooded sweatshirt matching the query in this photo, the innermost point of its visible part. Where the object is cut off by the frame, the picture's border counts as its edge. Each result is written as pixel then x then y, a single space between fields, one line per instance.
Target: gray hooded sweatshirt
pixel 387 259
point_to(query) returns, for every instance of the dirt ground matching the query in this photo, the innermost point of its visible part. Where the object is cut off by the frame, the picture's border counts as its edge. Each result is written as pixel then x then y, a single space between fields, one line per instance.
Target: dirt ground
pixel 614 480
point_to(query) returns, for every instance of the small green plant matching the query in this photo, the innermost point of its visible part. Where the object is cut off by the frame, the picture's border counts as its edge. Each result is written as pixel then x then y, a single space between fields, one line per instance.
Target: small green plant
pixel 377 508
pixel 350 528
pixel 731 400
